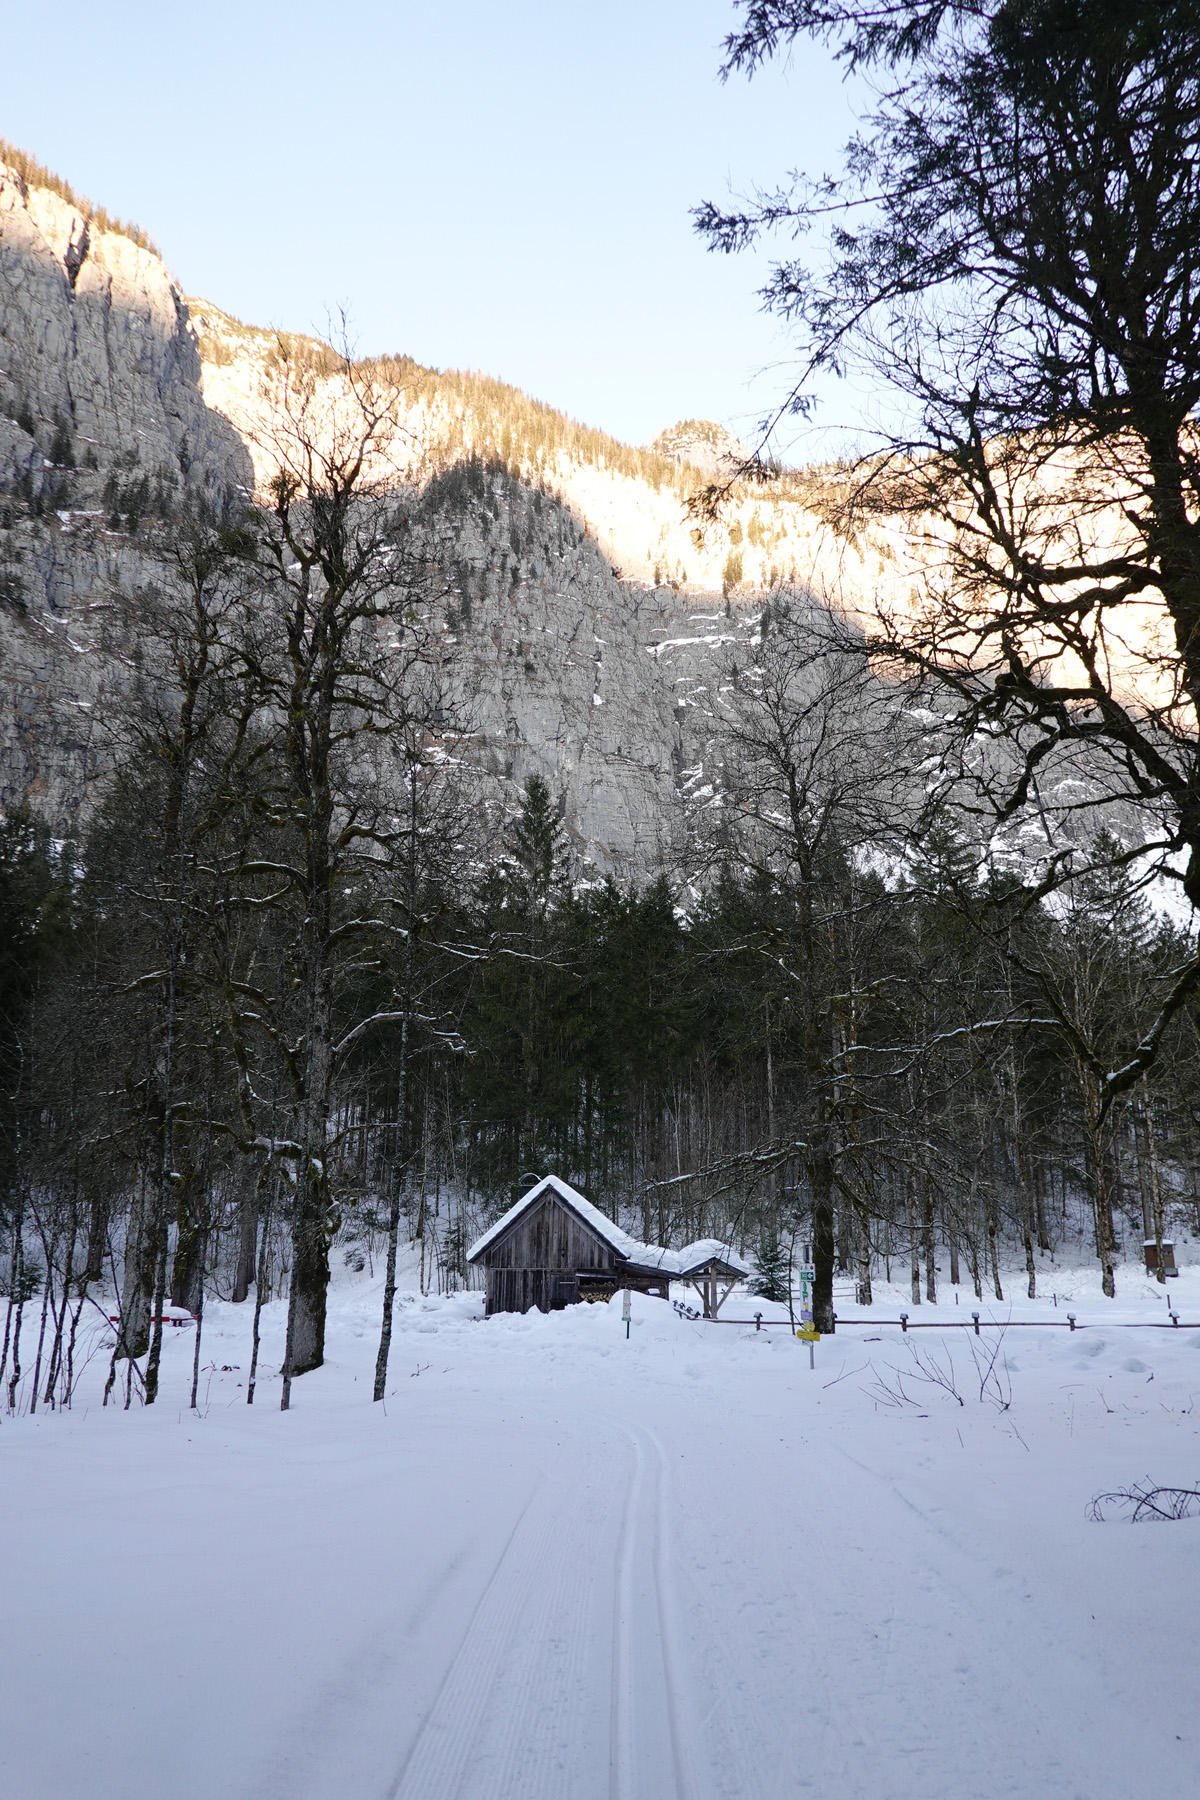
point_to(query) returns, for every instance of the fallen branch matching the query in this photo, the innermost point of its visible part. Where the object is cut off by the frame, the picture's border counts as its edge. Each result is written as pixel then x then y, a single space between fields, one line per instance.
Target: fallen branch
pixel 1143 1501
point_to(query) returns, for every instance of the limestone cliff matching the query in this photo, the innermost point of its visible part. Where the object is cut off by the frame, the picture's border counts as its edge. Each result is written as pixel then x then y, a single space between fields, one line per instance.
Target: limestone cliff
pixel 109 409
pixel 101 413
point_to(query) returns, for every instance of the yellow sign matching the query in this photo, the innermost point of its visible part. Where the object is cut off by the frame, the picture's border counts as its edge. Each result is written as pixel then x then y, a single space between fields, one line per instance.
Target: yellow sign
pixel 809 1334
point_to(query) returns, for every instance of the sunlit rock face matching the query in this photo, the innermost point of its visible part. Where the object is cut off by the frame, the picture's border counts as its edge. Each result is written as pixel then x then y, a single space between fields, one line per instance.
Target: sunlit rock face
pixel 590 612
pixel 704 446
pixel 108 410
pixel 100 408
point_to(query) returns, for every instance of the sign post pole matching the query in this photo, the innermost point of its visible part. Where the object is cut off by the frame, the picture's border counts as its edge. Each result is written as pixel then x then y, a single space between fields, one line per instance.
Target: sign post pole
pixel 808 1332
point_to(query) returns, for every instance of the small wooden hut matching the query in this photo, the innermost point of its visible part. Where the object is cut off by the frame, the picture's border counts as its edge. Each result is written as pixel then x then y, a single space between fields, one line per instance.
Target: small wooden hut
pixel 1150 1252
pixel 554 1248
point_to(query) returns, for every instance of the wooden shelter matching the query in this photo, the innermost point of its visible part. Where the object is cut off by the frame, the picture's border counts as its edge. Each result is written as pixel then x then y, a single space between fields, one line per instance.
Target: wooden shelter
pixel 554 1248
pixel 714 1269
pixel 1150 1252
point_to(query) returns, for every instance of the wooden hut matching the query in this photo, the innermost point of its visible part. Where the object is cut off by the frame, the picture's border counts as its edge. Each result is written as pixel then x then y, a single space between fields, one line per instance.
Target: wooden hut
pixel 554 1248
pixel 713 1268
pixel 1150 1252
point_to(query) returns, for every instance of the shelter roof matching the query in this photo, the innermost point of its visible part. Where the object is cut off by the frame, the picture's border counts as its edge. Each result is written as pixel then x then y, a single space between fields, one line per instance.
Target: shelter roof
pixel 706 1251
pixel 629 1249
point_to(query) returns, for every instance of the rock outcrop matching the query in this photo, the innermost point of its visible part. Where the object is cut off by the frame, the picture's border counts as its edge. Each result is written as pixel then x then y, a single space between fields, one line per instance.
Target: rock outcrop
pixel 99 366
pixel 110 409
pixel 101 414
pixel 704 446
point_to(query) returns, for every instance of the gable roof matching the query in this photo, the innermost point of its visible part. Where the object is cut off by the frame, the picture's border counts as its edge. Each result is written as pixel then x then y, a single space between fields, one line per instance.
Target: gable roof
pixel 710 1250
pixel 643 1256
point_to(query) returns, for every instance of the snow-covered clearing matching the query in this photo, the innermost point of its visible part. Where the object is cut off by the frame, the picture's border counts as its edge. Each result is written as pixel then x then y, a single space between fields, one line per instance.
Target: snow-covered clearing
pixel 564 1566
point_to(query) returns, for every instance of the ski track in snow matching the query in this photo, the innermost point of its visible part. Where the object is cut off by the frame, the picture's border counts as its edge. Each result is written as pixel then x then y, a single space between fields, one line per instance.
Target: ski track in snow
pixel 654 1718
pixel 567 1567
pixel 621 1753
pixel 520 1709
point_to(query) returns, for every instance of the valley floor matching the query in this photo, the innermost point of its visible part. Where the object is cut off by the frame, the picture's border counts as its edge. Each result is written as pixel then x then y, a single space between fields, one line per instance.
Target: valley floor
pixel 565 1566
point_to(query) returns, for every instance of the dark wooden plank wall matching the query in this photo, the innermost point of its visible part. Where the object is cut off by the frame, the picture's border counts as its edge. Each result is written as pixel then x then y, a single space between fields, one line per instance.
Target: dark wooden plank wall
pixel 549 1237
pixel 519 1290
pixel 537 1261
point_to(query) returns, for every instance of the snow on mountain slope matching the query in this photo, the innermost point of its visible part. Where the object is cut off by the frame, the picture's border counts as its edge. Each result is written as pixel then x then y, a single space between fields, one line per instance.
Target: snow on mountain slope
pixel 563 1566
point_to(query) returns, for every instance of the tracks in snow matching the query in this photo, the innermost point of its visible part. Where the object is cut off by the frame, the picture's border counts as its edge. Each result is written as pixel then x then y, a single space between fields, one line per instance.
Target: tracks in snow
pixel 572 1679
pixel 653 1720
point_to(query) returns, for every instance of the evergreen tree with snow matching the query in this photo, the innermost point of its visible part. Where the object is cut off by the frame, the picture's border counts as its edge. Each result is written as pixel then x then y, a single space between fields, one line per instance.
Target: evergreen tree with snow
pixel 773 1265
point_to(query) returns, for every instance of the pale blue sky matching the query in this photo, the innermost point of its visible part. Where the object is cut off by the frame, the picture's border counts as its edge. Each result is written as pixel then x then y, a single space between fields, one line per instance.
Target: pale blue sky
pixel 496 186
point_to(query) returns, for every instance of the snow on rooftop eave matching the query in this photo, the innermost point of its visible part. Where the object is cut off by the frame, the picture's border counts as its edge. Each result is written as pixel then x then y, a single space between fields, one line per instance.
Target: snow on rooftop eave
pixel 599 1222
pixel 649 1257
pixel 706 1250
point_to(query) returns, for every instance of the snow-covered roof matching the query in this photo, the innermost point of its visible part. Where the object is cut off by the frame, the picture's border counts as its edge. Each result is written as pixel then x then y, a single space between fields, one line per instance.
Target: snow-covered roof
pixel 645 1256
pixel 708 1250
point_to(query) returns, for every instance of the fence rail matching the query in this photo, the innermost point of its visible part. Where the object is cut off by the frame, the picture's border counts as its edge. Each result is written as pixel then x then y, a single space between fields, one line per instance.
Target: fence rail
pixel 976 1323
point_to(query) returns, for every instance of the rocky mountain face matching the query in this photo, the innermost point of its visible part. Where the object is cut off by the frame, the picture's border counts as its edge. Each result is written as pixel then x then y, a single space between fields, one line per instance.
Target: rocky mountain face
pixel 593 613
pixel 634 503
pixel 600 685
pixel 101 416
pixel 704 446
pixel 109 411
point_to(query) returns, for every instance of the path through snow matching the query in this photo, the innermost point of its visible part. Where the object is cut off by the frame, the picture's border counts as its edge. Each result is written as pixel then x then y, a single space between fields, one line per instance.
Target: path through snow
pixel 562 1566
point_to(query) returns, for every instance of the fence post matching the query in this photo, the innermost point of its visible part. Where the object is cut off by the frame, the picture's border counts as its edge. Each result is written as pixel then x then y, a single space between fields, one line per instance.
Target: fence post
pixel 904 1321
pixel 758 1321
pixel 1071 1320
pixel 975 1316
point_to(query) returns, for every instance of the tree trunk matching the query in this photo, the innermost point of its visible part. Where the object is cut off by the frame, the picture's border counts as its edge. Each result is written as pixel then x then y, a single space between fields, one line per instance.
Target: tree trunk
pixel 389 1284
pixel 820 1175
pixel 261 1282
pixel 993 1226
pixel 160 1300
pixel 312 1221
pixel 137 1283
pixel 402 1103
pixel 914 1242
pixel 47 1290
pixel 187 1269
pixel 864 1295
pixel 1157 1209
pixel 97 1238
pixel 244 1271
pixel 310 1279
pixel 1096 1170
pixel 1039 1198
pixel 56 1351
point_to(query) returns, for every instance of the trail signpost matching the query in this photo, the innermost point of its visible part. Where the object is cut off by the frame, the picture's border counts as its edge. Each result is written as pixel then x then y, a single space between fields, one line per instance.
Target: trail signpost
pixel 625 1309
pixel 807 1331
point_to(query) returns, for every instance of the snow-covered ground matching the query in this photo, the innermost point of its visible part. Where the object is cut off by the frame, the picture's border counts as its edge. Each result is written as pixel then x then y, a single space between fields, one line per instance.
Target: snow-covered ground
pixel 565 1566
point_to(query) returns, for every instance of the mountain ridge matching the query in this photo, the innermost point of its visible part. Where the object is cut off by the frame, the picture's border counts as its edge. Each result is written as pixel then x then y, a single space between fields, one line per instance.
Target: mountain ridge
pixel 119 396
